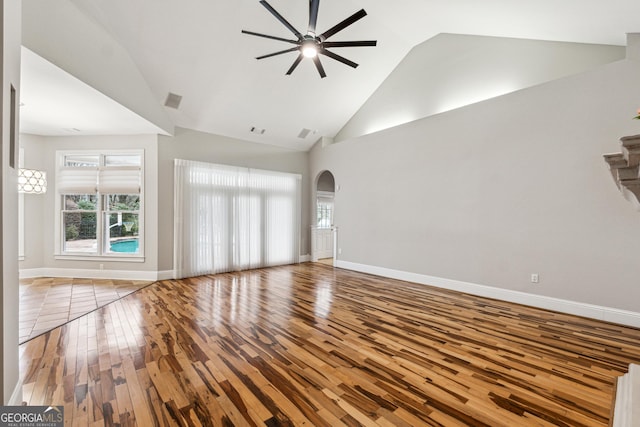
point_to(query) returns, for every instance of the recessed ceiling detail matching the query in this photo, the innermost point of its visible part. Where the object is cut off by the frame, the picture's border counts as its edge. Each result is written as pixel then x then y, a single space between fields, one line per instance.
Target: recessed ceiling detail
pixel 311 45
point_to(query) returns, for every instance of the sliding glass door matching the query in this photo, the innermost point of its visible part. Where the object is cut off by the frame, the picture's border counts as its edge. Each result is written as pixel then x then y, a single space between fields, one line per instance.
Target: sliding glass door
pixel 230 218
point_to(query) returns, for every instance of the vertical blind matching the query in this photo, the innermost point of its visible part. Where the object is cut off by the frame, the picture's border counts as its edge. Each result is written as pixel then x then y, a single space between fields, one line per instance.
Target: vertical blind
pixel 229 218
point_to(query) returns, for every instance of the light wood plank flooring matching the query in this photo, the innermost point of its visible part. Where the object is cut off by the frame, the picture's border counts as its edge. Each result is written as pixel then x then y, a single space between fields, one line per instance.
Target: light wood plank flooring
pixel 48 302
pixel 310 345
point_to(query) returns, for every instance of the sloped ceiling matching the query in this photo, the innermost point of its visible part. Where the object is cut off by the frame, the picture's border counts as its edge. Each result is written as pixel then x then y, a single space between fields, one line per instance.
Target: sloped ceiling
pixel 195 48
pixel 56 103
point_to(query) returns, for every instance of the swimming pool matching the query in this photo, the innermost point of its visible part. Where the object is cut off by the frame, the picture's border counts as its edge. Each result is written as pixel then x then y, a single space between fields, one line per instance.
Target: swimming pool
pixel 125 246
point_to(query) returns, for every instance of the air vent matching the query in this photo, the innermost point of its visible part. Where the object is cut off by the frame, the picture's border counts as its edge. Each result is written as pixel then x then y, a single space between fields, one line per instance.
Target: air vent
pixel 305 132
pixel 259 131
pixel 173 100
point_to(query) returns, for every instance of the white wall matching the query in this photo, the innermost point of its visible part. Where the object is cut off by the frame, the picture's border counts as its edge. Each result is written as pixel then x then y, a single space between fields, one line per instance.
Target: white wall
pixel 35 209
pixel 10 67
pixel 194 145
pixel 40 246
pixel 495 191
pixel 453 70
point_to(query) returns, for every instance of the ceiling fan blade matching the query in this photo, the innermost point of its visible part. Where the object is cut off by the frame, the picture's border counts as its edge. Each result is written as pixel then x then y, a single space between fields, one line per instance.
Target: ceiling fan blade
pixel 281 19
pixel 338 58
pixel 314 5
pixel 278 53
pixel 266 36
pixel 319 66
pixel 350 44
pixel 295 64
pixel 344 24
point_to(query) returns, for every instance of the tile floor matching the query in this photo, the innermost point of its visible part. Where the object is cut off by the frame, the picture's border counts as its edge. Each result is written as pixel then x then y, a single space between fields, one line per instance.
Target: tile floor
pixel 46 302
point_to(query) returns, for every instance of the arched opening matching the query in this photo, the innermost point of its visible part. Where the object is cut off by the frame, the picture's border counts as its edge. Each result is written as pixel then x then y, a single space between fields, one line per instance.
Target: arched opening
pixel 323 230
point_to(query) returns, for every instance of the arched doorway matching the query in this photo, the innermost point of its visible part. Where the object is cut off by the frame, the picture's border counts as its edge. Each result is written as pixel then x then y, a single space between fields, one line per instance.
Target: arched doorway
pixel 323 230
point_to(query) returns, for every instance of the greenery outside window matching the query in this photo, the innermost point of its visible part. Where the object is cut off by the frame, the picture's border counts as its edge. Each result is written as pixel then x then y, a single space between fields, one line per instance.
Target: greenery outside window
pixel 80 221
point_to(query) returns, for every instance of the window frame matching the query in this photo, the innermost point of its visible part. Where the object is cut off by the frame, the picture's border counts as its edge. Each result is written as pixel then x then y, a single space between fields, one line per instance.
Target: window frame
pixel 324 209
pixel 101 253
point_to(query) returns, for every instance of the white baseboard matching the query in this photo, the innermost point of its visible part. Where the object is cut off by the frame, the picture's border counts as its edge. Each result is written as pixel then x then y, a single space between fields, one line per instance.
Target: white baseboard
pixel 165 275
pixel 93 274
pixel 305 258
pixel 607 314
pixel 31 273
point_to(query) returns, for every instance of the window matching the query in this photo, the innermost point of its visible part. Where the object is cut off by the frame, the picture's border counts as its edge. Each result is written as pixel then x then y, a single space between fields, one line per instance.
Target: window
pixel 100 202
pixel 324 209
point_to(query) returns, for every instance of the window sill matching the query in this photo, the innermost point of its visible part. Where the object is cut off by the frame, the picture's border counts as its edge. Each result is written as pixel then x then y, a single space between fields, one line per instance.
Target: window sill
pixel 137 258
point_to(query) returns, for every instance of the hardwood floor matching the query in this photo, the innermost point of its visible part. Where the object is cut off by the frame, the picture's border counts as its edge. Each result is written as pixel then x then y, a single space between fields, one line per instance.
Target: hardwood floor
pixel 48 302
pixel 312 345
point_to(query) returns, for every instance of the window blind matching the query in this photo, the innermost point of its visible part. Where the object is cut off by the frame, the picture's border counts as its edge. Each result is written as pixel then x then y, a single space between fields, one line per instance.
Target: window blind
pixel 230 218
pixel 106 180
pixel 119 180
pixel 77 180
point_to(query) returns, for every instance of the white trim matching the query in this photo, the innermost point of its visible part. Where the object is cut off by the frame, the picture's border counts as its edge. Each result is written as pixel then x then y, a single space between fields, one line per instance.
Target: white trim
pixel 108 258
pixel 165 275
pixel 30 273
pixel 607 314
pixel 92 274
pixel 305 258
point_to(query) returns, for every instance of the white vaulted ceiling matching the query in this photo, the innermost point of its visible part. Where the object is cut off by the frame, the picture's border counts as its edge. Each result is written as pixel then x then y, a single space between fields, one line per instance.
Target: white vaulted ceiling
pixel 195 48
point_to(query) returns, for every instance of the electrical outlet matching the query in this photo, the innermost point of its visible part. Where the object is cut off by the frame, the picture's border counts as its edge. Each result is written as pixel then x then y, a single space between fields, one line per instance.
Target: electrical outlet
pixel 101 266
pixel 339 251
pixel 535 278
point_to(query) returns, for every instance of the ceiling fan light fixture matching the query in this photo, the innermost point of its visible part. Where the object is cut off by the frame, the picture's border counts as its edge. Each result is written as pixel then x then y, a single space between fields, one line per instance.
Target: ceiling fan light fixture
pixel 310 49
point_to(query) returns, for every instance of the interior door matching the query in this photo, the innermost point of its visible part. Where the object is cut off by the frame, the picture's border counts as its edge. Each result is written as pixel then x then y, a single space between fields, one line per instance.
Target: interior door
pixel 324 243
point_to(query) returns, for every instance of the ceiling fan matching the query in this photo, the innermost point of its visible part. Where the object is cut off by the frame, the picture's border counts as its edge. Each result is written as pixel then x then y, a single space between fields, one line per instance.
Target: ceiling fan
pixel 310 45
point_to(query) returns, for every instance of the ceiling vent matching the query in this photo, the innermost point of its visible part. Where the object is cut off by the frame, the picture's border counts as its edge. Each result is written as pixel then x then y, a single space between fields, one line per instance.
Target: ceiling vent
pixel 173 100
pixel 305 132
pixel 258 131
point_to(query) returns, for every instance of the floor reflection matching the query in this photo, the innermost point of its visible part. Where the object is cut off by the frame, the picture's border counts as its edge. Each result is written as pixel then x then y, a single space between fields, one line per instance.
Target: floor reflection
pixel 324 299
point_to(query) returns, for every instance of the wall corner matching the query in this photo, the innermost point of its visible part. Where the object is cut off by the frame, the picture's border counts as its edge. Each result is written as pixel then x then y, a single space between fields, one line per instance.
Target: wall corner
pixel 633 46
